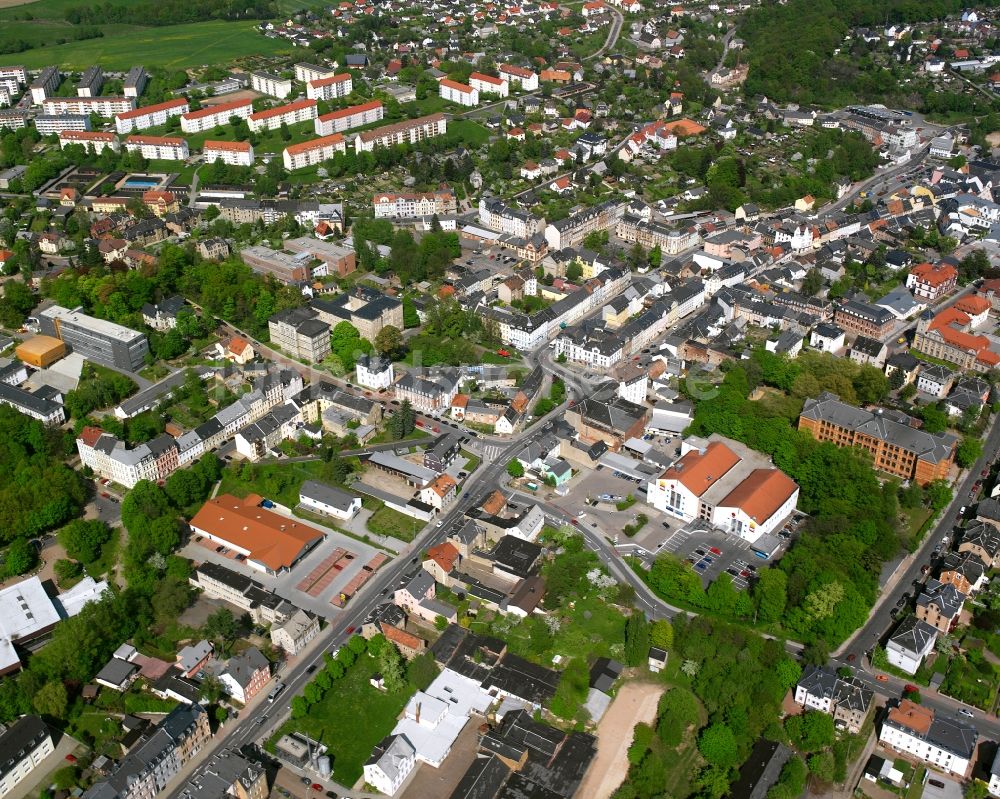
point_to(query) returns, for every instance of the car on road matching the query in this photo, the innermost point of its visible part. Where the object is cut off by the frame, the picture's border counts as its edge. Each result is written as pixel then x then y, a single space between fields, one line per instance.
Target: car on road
pixel 317 787
pixel 305 780
pixel 910 688
pixel 964 712
pixel 881 678
pixel 851 658
pixel 311 669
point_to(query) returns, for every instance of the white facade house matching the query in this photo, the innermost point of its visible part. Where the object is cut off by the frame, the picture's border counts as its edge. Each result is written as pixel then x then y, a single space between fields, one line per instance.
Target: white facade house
pixel 373 372
pixel 214 116
pixel 150 116
pixel 390 764
pixel 355 116
pixel 309 72
pixel 910 644
pixel 235 153
pixel 330 88
pixel 941 741
pixel 25 744
pixel 328 501
pixel 162 148
pixel 273 85
pixel 488 84
pixel 455 92
pixel 314 151
pixel 291 114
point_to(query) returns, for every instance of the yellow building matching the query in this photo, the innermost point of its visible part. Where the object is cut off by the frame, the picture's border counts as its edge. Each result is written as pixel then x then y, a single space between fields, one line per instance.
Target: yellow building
pixel 41 351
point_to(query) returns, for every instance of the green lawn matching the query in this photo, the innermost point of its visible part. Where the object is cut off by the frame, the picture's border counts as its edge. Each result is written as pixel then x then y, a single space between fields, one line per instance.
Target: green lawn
pixel 174 47
pixel 276 481
pixel 471 461
pixel 386 521
pixel 335 720
pixel 474 134
pixel 386 438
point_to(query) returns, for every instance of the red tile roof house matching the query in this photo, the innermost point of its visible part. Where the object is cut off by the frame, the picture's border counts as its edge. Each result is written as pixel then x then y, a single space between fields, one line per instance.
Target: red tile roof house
pixel 930 281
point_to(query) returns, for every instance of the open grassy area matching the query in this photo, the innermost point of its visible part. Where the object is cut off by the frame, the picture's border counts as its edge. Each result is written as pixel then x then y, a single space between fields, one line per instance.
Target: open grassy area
pixel 471 461
pixel 386 521
pixel 334 720
pixel 474 134
pixel 174 47
pixel 275 481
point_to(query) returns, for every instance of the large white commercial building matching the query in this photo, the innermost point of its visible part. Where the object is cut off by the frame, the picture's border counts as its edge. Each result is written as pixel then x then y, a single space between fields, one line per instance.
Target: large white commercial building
pixel 941 741
pixel 214 116
pixel 149 116
pixel 313 152
pixel 488 84
pixel 162 148
pixel 455 92
pixel 354 116
pixel 102 106
pixel 234 153
pixel 330 88
pixel 265 83
pixel 291 114
pixel 409 131
pixel 727 484
pixel 95 141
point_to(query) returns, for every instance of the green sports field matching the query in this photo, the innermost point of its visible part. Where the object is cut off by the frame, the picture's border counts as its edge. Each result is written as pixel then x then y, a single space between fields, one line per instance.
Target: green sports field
pixel 172 47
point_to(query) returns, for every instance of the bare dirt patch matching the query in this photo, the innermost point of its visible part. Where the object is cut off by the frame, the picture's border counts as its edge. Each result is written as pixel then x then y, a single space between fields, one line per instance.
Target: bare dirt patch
pixel 12 3
pixel 232 97
pixel 634 703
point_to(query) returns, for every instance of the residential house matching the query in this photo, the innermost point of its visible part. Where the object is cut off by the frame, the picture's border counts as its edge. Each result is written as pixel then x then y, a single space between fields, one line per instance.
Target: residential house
pixel 245 674
pixel 941 740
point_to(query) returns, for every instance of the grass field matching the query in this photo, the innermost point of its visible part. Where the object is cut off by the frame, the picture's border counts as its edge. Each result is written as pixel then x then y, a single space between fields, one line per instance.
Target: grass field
pixel 174 47
pixel 386 521
pixel 276 481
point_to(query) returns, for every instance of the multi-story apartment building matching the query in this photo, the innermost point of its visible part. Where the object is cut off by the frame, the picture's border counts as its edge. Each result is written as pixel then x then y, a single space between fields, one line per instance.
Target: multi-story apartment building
pixel 23 747
pixel 488 84
pixel 374 372
pixel 110 457
pixel 13 120
pixel 266 83
pixel 309 72
pixel 162 148
pixel 525 78
pixel 409 131
pixel 135 82
pixel 571 231
pixel 455 92
pixel 102 106
pixel 48 81
pixel 291 114
pixel 41 404
pixel 942 741
pixel 314 151
pixel 300 333
pixel 896 447
pixel 95 339
pixel 227 774
pixel 671 241
pixel 235 153
pixel 932 281
pixel 18 73
pixel 159 756
pixel 330 87
pixel 215 115
pixel 237 589
pixel 428 393
pixel 409 206
pixel 847 699
pixel 95 141
pixel 47 124
pixel 368 309
pixel 150 116
pixel 90 82
pixel 347 118
pixel 863 319
pixel 496 215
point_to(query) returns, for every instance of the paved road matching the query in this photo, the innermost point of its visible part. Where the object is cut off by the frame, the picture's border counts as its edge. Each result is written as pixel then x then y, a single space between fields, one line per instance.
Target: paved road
pixel 250 726
pixel 616 28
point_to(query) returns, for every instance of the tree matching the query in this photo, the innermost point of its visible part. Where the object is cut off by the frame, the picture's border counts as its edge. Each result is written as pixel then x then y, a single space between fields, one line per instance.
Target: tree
pixel 770 594
pixel 571 692
pixel 212 689
pixel 221 625
pixel 20 557
pixel 51 700
pixel 82 539
pixel 515 469
pixel 574 270
pixel 661 635
pixel 636 639
pixel 812 282
pixel 821 766
pixel 391 667
pixel 969 451
pixel 935 419
pixel 896 379
pixel 938 494
pixel 389 341
pixel 717 745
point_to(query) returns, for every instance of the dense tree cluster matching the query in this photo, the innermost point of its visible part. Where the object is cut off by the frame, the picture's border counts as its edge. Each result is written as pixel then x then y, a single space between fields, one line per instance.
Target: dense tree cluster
pixel 169 12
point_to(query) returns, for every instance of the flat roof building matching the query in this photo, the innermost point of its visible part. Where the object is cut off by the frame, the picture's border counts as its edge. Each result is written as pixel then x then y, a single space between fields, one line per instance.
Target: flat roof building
pixel 96 339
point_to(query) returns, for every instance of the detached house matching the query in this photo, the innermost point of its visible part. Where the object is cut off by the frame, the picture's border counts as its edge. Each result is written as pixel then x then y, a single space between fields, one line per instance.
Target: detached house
pixel 910 644
pixel 940 604
pixel 245 675
pixel 847 700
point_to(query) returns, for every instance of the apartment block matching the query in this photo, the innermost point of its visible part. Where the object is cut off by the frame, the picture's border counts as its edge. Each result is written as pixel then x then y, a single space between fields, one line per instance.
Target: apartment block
pixel 90 82
pixel 571 231
pixel 932 281
pixel 896 447
pixel 355 116
pixel 95 141
pixel 525 78
pixel 164 148
pixel 496 215
pixel 291 114
pixel 234 153
pixel 455 92
pixel 309 72
pixel 48 124
pixel 409 131
pixel 135 82
pixel 266 83
pixel 415 205
pixel 18 73
pixel 13 120
pixel 215 115
pixel 285 268
pixel 23 747
pixel 330 88
pixel 102 106
pixel 95 339
pixel 111 458
pixel 313 152
pixel 149 116
pixel 863 319
pixel 940 740
pixel 48 81
pixel 671 241
pixel 488 84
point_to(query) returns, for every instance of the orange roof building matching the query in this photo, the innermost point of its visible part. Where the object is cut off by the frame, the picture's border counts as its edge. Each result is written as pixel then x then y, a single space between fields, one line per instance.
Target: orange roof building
pixel 727 484
pixel 272 543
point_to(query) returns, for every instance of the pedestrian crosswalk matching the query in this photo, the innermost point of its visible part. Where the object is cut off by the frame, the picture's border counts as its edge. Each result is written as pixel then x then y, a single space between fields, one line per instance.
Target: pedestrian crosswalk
pixel 491 452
